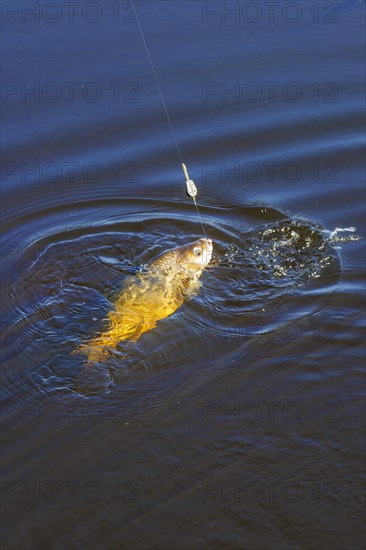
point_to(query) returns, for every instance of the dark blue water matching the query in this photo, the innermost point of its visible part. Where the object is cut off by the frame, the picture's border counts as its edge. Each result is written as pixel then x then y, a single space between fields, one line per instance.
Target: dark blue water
pixel 239 421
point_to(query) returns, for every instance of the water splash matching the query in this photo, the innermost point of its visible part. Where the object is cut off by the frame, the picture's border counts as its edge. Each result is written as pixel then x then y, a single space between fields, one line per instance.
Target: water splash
pixel 335 238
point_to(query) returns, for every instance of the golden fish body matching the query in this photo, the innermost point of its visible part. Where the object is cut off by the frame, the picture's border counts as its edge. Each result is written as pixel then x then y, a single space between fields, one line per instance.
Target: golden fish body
pixel 151 296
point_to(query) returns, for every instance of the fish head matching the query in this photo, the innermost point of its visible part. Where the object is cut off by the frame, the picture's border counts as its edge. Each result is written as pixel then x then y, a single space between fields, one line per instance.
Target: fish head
pixel 197 255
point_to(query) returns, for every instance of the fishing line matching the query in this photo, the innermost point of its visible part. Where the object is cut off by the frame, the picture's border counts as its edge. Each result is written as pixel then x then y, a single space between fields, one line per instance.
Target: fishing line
pixel 191 189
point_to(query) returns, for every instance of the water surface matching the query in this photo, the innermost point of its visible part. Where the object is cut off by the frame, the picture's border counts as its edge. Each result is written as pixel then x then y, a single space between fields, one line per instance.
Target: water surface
pixel 237 422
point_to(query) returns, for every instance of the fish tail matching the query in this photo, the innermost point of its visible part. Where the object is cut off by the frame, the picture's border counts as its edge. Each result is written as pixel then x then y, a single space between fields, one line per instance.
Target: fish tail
pixel 98 349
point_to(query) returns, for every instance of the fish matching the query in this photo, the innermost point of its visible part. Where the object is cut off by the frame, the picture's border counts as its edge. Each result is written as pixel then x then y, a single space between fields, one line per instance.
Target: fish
pixel 152 295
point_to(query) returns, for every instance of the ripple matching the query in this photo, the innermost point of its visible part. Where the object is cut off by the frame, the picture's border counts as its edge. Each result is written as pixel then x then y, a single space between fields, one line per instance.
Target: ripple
pixel 61 287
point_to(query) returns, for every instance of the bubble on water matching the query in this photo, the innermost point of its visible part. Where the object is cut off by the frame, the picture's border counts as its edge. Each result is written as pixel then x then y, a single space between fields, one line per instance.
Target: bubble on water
pixel 289 251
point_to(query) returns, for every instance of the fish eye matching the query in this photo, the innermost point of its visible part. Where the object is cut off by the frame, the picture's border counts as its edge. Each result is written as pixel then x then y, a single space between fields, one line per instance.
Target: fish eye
pixel 197 251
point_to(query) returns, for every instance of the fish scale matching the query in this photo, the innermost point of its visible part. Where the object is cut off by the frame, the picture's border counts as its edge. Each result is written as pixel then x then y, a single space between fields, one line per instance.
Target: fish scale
pixel 149 297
